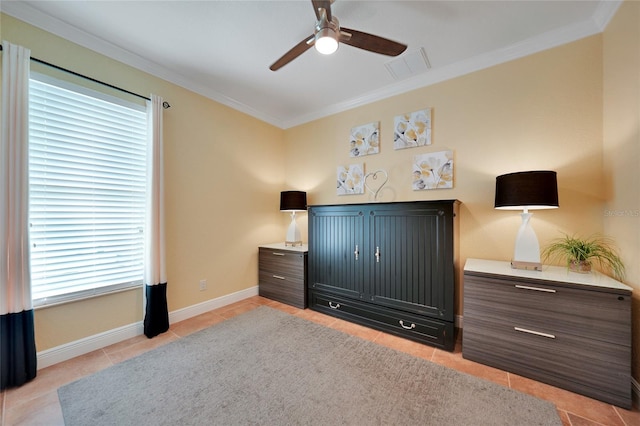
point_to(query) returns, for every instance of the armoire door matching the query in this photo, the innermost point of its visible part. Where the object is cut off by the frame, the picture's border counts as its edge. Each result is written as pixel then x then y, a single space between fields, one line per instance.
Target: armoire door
pixel 411 265
pixel 336 244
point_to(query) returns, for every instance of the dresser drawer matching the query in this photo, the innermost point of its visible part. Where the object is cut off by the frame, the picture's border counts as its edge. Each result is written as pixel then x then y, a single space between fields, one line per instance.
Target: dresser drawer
pixel 576 363
pixel 393 321
pixel 279 262
pixel 599 315
pixel 278 287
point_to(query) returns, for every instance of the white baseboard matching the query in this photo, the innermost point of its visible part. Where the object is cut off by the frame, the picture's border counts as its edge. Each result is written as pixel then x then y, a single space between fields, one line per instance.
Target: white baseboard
pixel 76 348
pixel 88 344
pixel 209 305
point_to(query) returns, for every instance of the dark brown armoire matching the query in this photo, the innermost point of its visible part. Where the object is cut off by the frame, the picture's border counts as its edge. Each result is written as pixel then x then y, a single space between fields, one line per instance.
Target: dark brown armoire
pixel 389 266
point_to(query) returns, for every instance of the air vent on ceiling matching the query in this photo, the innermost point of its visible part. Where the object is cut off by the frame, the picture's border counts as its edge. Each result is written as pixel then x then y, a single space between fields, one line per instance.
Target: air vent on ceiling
pixel 409 64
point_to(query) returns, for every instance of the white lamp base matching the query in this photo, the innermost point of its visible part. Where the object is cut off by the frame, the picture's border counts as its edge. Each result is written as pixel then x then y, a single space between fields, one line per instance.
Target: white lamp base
pixel 529 266
pixel 293 233
pixel 527 250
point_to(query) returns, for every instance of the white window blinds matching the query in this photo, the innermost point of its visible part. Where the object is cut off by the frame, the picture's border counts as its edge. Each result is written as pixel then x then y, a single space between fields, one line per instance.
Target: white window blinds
pixel 87 161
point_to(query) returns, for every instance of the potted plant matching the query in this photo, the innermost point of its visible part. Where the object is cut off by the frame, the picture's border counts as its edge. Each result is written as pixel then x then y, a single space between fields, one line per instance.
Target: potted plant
pixel 580 253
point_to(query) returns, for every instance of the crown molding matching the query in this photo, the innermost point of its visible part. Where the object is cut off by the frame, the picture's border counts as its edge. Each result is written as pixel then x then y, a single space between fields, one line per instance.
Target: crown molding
pixel 436 75
pixel 604 13
pixel 596 24
pixel 32 16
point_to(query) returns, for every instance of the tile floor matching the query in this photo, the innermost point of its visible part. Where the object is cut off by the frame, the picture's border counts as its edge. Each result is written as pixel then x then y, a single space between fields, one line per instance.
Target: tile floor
pixel 36 403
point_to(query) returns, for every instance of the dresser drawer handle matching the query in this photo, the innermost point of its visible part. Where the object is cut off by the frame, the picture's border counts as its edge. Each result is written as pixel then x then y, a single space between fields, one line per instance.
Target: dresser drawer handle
pixel 278 254
pixel 537 333
pixel 407 327
pixel 332 306
pixel 526 287
pixel 279 277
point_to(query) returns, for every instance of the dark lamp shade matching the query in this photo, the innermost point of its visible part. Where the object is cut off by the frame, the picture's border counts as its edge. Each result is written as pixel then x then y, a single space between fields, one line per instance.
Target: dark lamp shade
pixel 293 200
pixel 527 190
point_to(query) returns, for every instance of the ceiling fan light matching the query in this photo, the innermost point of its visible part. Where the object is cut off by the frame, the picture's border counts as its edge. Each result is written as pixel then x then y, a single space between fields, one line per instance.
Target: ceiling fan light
pixel 326 41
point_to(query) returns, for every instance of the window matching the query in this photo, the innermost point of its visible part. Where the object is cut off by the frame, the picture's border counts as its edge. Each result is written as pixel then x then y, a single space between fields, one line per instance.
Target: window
pixel 87 180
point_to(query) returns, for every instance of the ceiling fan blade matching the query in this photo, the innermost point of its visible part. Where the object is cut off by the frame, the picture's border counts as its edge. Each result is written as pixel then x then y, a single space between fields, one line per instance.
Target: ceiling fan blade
pixel 372 42
pixel 322 4
pixel 296 51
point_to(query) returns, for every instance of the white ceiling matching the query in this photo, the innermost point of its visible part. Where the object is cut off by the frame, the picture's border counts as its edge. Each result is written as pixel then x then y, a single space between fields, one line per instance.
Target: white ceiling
pixel 223 49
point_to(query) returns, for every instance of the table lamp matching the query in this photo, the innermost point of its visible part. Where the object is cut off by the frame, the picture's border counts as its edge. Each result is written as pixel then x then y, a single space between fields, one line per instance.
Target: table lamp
pixel 533 190
pixel 293 201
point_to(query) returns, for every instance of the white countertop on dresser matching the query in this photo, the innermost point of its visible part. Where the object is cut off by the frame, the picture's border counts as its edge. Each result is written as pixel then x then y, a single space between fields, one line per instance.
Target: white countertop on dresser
pixel 548 273
pixel 281 246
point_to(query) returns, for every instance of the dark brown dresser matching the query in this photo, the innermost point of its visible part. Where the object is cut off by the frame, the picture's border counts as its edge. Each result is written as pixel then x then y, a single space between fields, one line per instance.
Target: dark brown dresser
pixel 283 273
pixel 563 328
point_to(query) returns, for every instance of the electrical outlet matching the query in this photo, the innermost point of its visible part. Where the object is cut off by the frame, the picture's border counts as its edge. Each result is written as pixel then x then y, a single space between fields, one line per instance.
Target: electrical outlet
pixel 203 285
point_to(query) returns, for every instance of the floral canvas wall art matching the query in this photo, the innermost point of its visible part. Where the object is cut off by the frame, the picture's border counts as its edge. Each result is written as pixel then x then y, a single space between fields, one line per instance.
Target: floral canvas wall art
pixel 365 139
pixel 412 129
pixel 433 170
pixel 350 179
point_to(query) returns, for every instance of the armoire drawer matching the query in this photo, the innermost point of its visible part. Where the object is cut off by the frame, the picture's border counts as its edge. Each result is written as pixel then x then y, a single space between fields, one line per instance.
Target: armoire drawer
pixel 404 324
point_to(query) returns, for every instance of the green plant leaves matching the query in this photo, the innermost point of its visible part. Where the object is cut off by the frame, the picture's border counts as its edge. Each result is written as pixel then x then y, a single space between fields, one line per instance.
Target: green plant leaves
pixel 595 248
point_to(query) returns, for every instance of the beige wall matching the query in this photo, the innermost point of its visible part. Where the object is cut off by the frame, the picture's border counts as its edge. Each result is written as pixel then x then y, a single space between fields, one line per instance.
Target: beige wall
pixel 223 172
pixel 622 148
pixel 540 112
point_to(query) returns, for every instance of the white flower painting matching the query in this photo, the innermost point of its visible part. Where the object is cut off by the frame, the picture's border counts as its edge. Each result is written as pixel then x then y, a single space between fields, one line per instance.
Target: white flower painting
pixel 433 171
pixel 350 180
pixel 412 129
pixel 365 139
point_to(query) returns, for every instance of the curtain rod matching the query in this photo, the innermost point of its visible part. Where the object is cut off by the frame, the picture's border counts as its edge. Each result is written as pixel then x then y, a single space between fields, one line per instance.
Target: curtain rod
pixel 165 104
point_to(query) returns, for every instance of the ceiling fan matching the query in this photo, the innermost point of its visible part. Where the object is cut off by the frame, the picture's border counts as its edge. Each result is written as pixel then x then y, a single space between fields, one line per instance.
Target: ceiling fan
pixel 328 34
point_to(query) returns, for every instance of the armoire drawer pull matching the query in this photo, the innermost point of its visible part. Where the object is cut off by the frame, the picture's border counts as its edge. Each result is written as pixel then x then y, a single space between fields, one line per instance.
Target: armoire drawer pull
pixel 278 254
pixel 280 277
pixel 526 287
pixel 536 333
pixel 334 306
pixel 407 327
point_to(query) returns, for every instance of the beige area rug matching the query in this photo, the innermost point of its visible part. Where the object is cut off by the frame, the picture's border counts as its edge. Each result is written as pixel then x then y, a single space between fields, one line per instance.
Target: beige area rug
pixel 266 367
